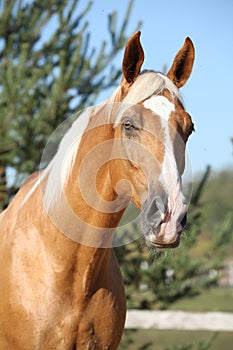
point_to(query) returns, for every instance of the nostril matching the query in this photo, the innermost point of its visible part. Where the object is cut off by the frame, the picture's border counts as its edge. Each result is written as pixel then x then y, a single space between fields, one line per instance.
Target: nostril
pixel 161 205
pixel 153 216
pixel 155 211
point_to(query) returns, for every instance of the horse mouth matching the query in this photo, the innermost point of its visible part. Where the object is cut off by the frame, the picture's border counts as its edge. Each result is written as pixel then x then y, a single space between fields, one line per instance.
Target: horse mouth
pixel 172 245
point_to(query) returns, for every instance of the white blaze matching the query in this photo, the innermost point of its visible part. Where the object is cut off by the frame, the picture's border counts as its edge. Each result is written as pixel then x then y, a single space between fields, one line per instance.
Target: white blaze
pixel 162 107
pixel 169 177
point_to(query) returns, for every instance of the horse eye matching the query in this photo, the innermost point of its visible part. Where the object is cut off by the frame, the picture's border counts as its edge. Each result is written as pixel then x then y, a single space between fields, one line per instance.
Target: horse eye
pixel 127 124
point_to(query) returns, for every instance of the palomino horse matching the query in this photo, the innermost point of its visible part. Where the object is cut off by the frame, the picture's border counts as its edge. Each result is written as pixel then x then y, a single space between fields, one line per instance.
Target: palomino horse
pixel 61 286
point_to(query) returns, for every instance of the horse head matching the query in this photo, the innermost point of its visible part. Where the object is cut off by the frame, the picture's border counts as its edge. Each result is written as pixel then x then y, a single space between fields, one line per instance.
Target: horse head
pixel 151 129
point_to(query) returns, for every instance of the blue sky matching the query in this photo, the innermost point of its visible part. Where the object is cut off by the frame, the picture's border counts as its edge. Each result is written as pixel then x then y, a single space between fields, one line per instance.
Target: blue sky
pixel 208 94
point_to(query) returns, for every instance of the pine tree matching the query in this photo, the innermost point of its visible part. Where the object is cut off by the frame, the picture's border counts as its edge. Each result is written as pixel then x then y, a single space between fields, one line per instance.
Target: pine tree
pixel 48 70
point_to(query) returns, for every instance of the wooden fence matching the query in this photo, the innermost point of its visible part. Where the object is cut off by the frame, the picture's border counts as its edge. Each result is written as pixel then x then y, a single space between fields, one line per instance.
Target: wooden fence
pixel 180 320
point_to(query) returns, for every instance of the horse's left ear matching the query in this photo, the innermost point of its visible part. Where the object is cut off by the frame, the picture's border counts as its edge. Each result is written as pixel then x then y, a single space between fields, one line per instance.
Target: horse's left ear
pixel 133 58
pixel 182 64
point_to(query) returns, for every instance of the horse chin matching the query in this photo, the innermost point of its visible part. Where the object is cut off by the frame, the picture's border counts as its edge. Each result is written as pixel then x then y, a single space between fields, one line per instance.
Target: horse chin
pixel 156 245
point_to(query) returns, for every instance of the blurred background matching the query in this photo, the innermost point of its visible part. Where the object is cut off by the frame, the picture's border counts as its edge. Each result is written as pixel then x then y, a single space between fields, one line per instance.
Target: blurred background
pixel 57 57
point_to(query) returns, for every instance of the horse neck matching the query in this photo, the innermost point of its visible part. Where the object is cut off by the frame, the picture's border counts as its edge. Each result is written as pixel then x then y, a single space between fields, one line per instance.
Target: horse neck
pixel 92 226
pixel 87 209
pixel 84 259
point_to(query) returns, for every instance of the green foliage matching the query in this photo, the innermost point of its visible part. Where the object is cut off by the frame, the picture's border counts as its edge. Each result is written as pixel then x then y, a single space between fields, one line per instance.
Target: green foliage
pixel 216 234
pixel 129 341
pixel 223 235
pixel 211 299
pixel 217 199
pixel 199 345
pixel 48 70
pixel 195 212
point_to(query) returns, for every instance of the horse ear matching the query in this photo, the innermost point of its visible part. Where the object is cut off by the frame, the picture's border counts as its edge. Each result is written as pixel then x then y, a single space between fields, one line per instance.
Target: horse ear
pixel 182 64
pixel 133 58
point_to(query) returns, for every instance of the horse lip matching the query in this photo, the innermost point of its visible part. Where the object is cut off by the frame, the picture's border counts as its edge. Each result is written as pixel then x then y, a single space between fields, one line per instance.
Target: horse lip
pixel 175 244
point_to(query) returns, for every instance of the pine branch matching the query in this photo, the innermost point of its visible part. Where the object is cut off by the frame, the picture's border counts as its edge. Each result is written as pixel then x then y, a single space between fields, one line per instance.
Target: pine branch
pixel 41 74
pixel 200 187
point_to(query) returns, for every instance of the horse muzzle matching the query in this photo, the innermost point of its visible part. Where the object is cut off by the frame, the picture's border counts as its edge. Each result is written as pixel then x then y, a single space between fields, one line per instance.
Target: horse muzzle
pixel 163 223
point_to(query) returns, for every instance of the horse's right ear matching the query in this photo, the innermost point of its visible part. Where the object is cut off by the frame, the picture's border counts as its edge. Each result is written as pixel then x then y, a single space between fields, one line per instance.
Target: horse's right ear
pixel 182 64
pixel 133 58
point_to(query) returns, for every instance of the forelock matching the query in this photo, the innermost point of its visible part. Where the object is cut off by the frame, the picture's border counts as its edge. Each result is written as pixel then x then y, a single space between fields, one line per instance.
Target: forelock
pixel 147 84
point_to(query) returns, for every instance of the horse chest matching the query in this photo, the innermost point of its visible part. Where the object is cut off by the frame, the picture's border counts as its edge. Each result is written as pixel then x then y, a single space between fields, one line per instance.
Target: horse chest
pixel 63 323
pixel 93 324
